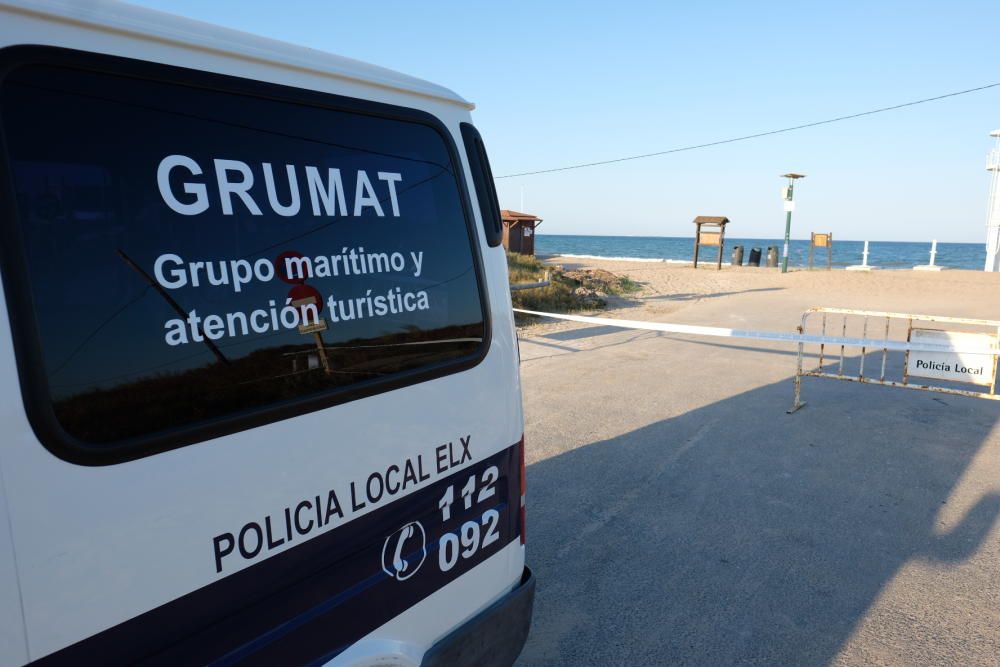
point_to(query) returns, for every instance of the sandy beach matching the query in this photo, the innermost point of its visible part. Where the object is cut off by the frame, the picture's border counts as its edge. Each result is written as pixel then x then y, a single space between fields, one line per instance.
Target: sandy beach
pixel 678 515
pixel 764 297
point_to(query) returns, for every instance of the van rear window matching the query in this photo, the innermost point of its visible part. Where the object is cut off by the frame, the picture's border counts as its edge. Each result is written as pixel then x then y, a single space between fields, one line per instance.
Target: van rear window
pixel 191 254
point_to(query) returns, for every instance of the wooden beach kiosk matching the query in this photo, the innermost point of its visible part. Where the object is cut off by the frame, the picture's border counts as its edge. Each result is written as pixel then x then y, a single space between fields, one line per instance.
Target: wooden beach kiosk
pixel 519 231
pixel 710 231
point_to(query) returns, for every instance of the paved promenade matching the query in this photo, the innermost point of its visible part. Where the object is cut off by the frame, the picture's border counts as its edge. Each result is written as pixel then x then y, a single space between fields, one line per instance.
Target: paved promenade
pixel 677 515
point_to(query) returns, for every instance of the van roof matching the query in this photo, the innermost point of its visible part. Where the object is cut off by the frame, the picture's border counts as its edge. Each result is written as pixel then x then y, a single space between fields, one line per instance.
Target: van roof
pixel 172 29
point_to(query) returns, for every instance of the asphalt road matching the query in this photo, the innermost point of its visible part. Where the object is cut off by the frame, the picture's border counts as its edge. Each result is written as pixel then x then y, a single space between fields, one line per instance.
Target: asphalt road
pixel 678 516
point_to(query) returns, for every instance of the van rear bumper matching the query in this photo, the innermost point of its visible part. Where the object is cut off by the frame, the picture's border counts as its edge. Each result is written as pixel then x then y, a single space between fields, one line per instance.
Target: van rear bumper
pixel 492 638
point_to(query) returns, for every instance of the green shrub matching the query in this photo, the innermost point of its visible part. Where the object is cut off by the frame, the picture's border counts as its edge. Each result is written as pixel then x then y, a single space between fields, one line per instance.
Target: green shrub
pixel 564 293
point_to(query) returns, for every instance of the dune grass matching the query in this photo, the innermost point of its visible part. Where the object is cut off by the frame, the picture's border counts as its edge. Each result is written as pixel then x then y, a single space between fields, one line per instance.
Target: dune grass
pixel 564 294
pixel 557 297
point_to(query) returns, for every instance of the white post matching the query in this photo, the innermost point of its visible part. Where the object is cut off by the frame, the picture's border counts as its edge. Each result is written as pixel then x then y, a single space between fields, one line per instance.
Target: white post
pixel 993 207
pixel 932 266
pixel 993 242
pixel 863 266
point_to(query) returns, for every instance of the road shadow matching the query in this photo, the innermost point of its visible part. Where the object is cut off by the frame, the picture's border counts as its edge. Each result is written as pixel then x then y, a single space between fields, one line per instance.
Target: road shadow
pixel 584 332
pixel 685 296
pixel 689 340
pixel 540 340
pixel 737 534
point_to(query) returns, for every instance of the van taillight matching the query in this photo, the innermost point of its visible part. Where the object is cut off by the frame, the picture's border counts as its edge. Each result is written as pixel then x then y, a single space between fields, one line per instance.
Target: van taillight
pixel 520 456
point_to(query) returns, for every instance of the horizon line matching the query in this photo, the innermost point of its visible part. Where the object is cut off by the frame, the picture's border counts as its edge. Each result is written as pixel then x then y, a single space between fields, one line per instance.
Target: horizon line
pixel 768 238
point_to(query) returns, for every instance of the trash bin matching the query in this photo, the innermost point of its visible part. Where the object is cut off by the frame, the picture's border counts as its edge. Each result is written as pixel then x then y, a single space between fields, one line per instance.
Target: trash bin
pixel 772 256
pixel 737 255
pixel 754 257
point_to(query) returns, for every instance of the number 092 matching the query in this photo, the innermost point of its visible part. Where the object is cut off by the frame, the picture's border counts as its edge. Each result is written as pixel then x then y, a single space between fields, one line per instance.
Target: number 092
pixel 467 542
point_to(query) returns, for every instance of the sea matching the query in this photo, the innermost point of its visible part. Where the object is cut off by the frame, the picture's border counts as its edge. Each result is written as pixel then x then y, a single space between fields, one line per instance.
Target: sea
pixel 883 254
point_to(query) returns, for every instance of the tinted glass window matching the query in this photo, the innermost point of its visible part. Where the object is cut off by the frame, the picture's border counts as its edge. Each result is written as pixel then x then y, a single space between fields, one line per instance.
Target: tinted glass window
pixel 193 254
pixel 482 177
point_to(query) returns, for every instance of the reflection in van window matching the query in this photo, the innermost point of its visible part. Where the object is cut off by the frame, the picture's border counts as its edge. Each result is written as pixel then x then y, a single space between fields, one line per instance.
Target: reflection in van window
pixel 192 254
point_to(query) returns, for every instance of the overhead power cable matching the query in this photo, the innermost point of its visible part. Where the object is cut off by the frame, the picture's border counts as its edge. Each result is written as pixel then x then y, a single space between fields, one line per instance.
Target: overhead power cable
pixel 751 136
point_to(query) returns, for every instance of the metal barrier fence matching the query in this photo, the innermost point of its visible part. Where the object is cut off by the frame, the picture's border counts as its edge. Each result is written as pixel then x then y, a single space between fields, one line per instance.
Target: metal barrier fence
pixel 925 351
pixel 972 359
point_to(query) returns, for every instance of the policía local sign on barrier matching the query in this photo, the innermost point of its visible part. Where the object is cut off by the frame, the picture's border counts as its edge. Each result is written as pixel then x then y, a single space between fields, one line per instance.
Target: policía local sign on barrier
pixel 969 367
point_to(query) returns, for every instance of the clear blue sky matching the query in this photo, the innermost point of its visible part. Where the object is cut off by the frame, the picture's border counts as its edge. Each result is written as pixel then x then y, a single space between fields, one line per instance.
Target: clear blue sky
pixel 560 83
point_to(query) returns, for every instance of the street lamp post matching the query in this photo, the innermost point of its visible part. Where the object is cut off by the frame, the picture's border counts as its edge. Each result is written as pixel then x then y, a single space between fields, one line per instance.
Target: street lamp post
pixel 788 192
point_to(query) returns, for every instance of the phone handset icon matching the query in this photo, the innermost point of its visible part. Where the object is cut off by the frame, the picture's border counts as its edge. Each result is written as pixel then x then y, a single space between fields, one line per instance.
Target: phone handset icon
pixel 397 561
pixel 399 553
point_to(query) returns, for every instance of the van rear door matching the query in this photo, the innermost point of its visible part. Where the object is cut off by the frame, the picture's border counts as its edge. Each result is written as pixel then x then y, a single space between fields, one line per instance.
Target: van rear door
pixel 260 415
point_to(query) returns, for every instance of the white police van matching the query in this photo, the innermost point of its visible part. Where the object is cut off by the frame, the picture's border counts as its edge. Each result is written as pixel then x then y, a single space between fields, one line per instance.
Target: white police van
pixel 259 386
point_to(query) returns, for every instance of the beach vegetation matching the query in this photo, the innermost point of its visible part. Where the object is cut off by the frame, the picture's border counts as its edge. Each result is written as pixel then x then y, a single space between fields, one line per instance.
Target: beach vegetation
pixel 568 290
pixel 627 286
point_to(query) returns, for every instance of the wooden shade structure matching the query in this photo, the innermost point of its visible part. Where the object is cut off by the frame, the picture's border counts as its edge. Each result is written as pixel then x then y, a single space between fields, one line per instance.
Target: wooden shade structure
pixel 710 231
pixel 519 231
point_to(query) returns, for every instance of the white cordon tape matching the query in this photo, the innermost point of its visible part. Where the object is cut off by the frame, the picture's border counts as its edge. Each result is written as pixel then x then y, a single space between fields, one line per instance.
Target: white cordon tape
pixel 775 336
